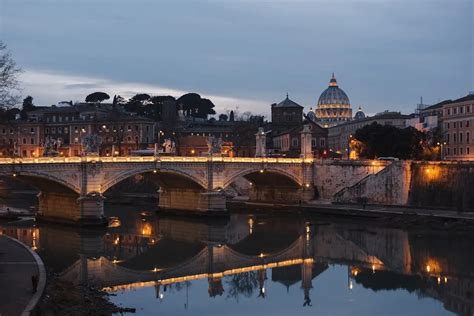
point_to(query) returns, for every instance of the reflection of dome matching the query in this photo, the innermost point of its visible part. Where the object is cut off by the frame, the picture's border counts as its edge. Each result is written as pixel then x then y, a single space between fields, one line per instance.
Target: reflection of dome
pixel 359 114
pixel 333 104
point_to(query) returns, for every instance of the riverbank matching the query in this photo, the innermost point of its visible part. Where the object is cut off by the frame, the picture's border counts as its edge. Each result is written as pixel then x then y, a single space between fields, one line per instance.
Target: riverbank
pixel 375 212
pixel 18 265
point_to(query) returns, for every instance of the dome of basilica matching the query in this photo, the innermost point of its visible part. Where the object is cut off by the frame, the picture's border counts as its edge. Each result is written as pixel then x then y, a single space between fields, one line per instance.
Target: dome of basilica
pixel 333 105
pixel 359 114
pixel 333 95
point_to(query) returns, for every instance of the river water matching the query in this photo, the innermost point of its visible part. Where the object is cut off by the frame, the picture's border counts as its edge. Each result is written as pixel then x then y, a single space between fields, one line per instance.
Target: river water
pixel 249 264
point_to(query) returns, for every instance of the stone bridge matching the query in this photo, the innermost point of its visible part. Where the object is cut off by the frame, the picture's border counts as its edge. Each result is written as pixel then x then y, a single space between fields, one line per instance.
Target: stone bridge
pixel 72 188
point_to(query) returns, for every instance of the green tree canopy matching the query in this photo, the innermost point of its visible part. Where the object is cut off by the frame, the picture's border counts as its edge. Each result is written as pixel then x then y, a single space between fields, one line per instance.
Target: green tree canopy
pixel 97 97
pixel 194 106
pixel 388 141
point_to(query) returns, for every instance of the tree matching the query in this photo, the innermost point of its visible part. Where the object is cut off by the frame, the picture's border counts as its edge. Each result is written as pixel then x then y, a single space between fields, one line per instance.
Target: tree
pixel 223 117
pixel 28 106
pixel 193 105
pixel 118 100
pixel 97 97
pixel 388 141
pixel 231 116
pixel 8 79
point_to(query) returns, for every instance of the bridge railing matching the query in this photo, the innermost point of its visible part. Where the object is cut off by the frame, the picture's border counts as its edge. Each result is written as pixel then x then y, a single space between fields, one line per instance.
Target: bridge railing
pixel 48 160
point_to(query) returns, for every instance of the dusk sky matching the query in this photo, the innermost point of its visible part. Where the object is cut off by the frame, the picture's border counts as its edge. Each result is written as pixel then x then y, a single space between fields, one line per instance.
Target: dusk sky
pixel 385 54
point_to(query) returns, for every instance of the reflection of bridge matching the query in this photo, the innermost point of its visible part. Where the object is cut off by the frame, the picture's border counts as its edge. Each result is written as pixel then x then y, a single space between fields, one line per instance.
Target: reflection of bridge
pixel 437 264
pixel 72 188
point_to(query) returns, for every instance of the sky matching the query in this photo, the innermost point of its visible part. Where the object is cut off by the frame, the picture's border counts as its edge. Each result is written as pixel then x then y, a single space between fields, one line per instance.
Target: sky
pixel 244 53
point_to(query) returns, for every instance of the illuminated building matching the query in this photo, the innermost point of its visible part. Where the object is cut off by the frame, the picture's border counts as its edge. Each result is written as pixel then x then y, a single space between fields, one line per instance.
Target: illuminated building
pixel 333 105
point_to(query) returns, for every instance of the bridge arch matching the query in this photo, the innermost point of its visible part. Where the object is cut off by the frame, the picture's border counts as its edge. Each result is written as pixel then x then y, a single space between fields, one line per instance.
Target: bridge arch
pixel 30 177
pixel 295 179
pixel 199 183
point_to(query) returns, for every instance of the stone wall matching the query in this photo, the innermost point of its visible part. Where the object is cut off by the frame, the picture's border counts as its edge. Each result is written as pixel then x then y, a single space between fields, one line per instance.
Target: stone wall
pixel 331 177
pixel 442 185
pixel 388 186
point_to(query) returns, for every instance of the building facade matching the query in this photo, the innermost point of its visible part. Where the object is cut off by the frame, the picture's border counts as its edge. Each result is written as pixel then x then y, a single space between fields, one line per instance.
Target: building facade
pixel 458 129
pixel 60 131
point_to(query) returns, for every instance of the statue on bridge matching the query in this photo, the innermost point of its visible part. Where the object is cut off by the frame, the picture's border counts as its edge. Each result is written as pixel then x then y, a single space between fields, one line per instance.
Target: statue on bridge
pixel 51 146
pixel 169 146
pixel 214 145
pixel 91 145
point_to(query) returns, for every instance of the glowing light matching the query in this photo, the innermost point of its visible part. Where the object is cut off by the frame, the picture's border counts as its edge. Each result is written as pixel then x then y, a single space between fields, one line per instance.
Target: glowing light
pixel 261 170
pixel 14 174
pixel 192 151
pixel 307 185
pixel 155 269
pixel 373 268
pixel 445 280
pixel 350 285
pixel 261 255
pixel 263 290
pixel 428 268
pixel 155 171
pixel 161 296
pixel 439 280
pixel 116 241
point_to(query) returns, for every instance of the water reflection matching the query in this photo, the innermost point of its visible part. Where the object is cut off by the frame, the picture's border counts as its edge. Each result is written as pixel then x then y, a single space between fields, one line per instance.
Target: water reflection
pixel 242 256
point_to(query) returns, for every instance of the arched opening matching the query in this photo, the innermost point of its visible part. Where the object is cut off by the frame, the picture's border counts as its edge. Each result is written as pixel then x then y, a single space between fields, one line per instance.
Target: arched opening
pixel 172 189
pixel 53 197
pixel 266 185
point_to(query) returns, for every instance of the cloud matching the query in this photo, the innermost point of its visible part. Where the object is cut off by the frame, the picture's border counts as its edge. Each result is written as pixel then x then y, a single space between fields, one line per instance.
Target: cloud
pixel 47 87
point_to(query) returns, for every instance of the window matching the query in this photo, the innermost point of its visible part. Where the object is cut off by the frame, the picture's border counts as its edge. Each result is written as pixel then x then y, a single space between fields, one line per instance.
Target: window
pixel 460 151
pixel 461 109
pixel 467 137
pixel 447 125
pixel 322 142
pixel 76 129
pixel 455 111
pixel 129 139
pixel 449 151
pixel 53 130
pixel 54 118
pixel 60 118
pixel 447 137
pixel 294 142
pixel 129 128
pixel 32 141
pixel 136 128
pixel 66 130
pixel 4 131
pixel 449 111
pixel 460 124
pixel 460 138
pixel 467 150
pixel 468 109
pixel 47 130
pixel 454 137
pixel 76 140
pixel 24 141
pixel 313 142
pixel 455 152
pixel 32 130
pixel 11 130
pixel 454 125
pixel 147 128
pixel 467 123
pixel 60 130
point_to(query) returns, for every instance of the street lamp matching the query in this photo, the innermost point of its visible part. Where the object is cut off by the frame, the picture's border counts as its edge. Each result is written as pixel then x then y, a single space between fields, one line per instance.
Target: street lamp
pixel 441 149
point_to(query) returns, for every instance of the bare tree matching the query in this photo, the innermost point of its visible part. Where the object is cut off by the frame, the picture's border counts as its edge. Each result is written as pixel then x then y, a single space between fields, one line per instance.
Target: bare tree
pixel 9 72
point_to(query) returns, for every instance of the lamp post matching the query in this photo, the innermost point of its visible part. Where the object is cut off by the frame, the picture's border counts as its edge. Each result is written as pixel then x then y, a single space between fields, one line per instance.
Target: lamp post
pixel 441 149
pixel 349 147
pixel 81 131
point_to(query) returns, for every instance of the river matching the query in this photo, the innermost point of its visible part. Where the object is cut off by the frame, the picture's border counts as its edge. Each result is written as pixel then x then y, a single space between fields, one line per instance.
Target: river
pixel 260 264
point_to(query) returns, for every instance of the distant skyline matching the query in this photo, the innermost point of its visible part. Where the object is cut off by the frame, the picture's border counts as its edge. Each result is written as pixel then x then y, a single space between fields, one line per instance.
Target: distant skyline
pixel 385 54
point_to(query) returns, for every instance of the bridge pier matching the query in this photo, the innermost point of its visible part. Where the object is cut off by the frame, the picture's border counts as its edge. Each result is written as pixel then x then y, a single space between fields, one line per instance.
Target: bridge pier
pixel 191 200
pixel 269 193
pixel 69 208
